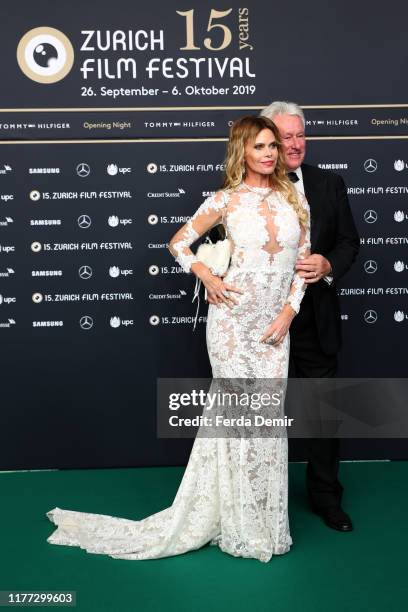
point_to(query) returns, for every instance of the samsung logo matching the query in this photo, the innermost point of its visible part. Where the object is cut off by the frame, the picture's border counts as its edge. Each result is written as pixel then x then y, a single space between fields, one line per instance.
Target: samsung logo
pixel 333 166
pixel 45 222
pixel 46 273
pixel 48 323
pixel 44 170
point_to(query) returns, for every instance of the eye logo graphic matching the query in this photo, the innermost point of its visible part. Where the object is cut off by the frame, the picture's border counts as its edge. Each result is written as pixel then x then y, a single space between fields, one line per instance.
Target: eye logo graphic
pixel 45 55
pixel 37 298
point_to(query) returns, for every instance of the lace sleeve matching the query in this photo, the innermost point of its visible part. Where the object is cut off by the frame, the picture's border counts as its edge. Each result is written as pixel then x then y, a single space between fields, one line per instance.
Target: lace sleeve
pixel 298 287
pixel 207 216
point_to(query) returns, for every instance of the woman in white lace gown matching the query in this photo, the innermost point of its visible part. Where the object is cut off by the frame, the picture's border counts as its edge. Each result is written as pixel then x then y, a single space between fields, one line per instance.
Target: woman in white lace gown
pixel 234 491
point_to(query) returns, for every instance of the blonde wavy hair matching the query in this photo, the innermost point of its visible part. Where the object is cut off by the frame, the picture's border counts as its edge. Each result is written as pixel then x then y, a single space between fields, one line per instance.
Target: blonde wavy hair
pixel 246 130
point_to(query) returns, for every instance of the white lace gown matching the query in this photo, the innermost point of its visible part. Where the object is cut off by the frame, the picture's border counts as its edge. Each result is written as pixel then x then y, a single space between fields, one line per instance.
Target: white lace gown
pixel 234 492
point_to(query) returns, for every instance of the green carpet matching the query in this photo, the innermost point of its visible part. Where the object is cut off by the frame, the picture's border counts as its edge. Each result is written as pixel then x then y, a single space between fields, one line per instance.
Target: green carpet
pixel 327 571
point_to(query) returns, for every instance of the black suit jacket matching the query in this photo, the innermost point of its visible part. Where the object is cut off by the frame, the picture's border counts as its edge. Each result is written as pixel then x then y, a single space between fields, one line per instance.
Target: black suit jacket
pixel 334 235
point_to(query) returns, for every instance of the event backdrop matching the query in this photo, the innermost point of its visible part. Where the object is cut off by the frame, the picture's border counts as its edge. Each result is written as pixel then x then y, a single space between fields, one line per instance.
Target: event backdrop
pixel 113 123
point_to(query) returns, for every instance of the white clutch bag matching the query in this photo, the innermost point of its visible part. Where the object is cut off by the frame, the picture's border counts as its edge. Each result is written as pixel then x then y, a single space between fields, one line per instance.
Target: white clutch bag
pixel 216 256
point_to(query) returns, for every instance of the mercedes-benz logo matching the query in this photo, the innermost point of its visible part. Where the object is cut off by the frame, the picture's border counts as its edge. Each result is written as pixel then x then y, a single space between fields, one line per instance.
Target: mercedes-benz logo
pixel 370 165
pixel 86 322
pixel 370 316
pixel 84 221
pixel 370 216
pixel 370 266
pixel 83 170
pixel 85 272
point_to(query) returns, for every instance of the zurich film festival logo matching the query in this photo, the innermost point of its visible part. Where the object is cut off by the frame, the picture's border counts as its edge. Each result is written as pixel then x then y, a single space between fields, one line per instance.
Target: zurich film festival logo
pixel 45 55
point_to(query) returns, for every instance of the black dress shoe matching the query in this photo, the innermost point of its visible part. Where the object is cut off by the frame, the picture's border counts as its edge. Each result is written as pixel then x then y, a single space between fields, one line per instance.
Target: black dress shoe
pixel 335 518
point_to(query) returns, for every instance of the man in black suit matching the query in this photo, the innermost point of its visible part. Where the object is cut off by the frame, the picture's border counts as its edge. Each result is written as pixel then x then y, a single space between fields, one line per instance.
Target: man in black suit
pixel 315 332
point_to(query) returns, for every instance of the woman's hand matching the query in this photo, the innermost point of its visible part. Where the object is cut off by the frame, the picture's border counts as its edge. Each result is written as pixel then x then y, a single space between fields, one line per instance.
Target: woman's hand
pixel 218 291
pixel 277 330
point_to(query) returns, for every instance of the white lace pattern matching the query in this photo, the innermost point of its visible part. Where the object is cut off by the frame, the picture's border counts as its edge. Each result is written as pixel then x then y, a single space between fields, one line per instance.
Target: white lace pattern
pixel 234 491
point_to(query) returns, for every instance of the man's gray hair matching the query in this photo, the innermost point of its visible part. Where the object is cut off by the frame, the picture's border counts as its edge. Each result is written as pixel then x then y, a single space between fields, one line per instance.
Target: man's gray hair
pixel 283 108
